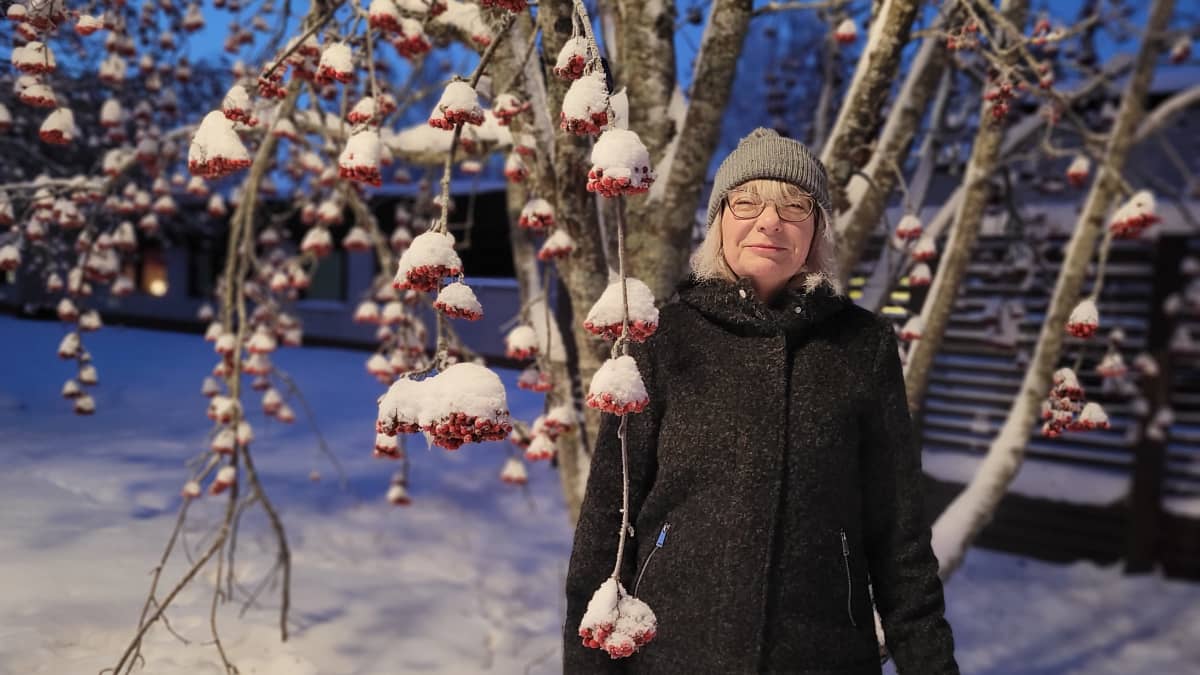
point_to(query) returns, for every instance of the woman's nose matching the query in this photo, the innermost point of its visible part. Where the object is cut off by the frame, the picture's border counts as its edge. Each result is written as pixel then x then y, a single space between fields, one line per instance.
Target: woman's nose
pixel 769 218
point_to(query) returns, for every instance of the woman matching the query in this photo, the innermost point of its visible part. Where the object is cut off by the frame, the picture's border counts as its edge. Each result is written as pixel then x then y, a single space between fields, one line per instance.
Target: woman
pixel 774 474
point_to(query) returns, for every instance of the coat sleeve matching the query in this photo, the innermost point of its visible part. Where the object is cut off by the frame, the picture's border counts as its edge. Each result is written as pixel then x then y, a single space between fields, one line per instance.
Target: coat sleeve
pixel 595 550
pixel 904 571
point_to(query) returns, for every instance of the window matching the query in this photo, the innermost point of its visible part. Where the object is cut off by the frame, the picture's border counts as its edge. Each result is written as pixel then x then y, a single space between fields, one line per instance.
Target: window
pixel 204 265
pixel 153 272
pixel 328 280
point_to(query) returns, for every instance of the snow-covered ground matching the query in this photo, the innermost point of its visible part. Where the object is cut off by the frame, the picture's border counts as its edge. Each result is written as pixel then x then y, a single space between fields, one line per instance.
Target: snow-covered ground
pixel 467 579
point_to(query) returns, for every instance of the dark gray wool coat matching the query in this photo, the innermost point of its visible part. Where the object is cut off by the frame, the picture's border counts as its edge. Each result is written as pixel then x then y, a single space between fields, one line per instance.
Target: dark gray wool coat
pixel 777 454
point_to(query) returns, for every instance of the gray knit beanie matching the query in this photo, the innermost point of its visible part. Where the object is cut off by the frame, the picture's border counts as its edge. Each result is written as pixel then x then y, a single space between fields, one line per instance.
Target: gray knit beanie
pixel 764 154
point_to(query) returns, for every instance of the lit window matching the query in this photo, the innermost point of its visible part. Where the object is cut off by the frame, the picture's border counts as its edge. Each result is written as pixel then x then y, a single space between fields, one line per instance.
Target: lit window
pixel 154 272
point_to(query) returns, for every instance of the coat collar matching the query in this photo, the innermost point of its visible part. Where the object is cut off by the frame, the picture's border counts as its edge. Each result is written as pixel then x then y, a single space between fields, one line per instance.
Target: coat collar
pixel 737 306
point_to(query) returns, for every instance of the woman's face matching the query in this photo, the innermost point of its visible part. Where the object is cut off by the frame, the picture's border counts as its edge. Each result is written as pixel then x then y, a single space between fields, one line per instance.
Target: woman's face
pixel 766 248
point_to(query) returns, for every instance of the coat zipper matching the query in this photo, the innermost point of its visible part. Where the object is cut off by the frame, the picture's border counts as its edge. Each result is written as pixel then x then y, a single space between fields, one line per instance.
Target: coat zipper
pixel 662 538
pixel 849 582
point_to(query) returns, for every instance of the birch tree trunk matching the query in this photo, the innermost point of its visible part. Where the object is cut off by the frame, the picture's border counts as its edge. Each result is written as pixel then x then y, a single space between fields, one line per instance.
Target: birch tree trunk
pixel 585 272
pixel 971 510
pixel 658 242
pixel 647 58
pixel 952 266
pixel 866 205
pixel 848 143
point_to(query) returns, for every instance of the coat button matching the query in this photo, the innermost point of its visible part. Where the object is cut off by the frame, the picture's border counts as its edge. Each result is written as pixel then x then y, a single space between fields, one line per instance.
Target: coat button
pixel 742 292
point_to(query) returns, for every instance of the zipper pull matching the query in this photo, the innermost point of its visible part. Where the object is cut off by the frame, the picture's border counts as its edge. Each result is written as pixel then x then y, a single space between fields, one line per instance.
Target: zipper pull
pixel 845 544
pixel 662 535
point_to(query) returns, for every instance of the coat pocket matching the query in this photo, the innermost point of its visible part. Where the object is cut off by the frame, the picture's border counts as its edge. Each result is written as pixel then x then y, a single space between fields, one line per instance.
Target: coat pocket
pixel 849 578
pixel 658 543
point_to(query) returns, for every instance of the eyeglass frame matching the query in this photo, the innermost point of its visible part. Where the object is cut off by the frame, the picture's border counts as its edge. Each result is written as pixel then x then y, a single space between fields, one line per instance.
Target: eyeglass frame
pixel 811 200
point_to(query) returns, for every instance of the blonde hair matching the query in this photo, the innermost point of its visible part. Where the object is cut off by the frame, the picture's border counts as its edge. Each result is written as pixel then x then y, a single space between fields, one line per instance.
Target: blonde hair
pixel 820 268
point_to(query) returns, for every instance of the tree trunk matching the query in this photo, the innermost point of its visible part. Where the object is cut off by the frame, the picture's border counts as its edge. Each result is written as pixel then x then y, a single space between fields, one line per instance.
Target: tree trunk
pixel 848 145
pixel 658 241
pixel 585 272
pixel 647 58
pixel 971 510
pixel 952 266
pixel 866 204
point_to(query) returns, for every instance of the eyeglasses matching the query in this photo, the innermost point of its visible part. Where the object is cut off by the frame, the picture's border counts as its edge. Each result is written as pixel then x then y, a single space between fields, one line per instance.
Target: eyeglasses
pixel 745 205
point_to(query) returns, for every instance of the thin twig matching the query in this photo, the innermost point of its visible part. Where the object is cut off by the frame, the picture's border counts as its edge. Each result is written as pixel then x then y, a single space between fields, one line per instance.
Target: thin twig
pixel 294 390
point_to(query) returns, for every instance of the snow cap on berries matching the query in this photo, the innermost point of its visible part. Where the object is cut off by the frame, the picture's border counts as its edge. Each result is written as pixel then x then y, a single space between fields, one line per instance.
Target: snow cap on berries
pixel 387 447
pixel 1077 172
pixel 10 257
pixel 359 160
pixel 71 389
pixel 34 58
pixel 560 419
pixel 384 16
pixel 764 154
pixel 366 312
pixel 59 127
pixel 317 241
pixel 465 403
pixel 1134 216
pixel 920 275
pixel 69 346
pixel 617 387
pixel 1111 365
pixel 537 214
pixel 846 31
pixel 465 387
pixel 601 614
pixel 515 168
pixel 909 227
pixel 1092 417
pixel 534 379
pixel 400 407
pixel 190 490
pixel 912 329
pixel 585 108
pixel 607 315
pixel 541 448
pixel 458 300
pixel 365 110
pixel 337 63
pixel 571 59
pixel 397 494
pixel 459 104
pixel 521 343
pixel 1084 319
pixel 226 477
pixel 1066 384
pixel 514 472
pixel 507 106
pixel 84 404
pixel 216 150
pixel 357 240
pixel 429 258
pixel 224 442
pixel 617 622
pixel 620 164
pixel 925 250
pixel 556 247
pixel 236 105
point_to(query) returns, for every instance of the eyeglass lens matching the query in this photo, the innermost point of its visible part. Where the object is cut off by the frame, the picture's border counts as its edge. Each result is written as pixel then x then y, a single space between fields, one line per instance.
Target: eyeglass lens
pixel 750 205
